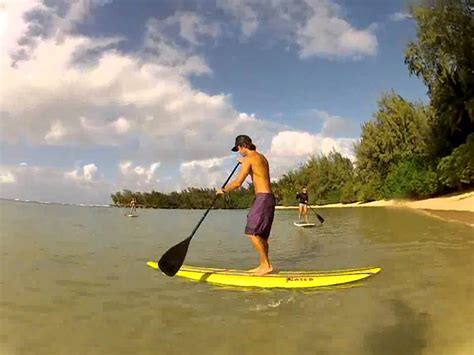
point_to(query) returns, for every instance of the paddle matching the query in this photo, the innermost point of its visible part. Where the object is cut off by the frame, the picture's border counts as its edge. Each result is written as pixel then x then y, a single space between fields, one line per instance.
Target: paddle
pixel 173 259
pixel 321 219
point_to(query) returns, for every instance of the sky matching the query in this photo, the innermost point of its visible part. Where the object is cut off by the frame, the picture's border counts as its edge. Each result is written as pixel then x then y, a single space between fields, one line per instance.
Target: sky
pixel 98 96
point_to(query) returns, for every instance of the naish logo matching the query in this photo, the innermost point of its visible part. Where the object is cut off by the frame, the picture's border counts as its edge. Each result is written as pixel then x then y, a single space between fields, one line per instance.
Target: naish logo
pixel 290 279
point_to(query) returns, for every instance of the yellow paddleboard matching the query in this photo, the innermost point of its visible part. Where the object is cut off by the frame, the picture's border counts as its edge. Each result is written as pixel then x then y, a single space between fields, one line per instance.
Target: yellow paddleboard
pixel 282 279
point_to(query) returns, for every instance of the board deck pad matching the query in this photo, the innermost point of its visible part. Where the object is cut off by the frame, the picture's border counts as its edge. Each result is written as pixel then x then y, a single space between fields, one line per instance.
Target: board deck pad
pixel 281 279
pixel 304 225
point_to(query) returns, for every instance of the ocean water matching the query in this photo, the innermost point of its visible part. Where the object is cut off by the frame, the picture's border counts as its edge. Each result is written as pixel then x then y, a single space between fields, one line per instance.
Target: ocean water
pixel 74 280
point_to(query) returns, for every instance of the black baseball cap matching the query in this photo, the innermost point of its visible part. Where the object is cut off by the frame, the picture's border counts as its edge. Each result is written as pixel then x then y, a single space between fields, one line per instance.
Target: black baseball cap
pixel 242 140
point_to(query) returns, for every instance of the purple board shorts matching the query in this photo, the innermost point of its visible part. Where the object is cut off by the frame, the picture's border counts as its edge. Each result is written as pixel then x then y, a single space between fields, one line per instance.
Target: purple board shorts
pixel 260 217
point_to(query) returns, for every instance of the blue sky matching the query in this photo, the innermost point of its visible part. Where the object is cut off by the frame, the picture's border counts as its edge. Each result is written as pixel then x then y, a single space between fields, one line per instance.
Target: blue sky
pixel 103 95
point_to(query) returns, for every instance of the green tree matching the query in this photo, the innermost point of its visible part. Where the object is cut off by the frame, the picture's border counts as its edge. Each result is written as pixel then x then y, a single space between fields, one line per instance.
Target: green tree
pixel 324 176
pixel 443 57
pixel 116 198
pixel 399 132
pixel 457 169
pixel 410 178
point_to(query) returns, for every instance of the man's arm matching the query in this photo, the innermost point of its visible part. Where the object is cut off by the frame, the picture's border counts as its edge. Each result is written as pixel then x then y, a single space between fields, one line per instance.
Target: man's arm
pixel 239 180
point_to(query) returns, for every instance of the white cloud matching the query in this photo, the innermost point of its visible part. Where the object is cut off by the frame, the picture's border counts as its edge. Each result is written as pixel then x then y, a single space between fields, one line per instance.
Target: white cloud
pixel 291 149
pixel 139 170
pixel 325 34
pixel 88 173
pixel 154 167
pixel 138 177
pixel 115 99
pixel 399 16
pixel 244 11
pixel 315 26
pixel 12 24
pixel 172 58
pixel 34 21
pixel 335 126
pixel 125 167
pixel 84 184
pixel 193 26
pixel 26 23
pixel 293 144
pixel 204 173
pixel 86 130
pixel 288 150
pixel 299 144
pixel 121 125
pixel 78 10
pixel 55 185
pixel 56 133
pixel 119 98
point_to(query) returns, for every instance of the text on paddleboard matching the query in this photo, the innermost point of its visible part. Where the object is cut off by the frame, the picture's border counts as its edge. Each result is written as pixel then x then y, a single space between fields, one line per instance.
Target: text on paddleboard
pixel 290 279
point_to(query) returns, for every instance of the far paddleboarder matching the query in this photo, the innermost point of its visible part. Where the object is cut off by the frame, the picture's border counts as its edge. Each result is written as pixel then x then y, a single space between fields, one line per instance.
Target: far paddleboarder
pixel 260 217
pixel 133 205
pixel 303 207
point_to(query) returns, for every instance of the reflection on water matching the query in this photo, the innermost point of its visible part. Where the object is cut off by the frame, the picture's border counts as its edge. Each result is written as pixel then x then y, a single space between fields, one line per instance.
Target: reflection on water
pixel 74 281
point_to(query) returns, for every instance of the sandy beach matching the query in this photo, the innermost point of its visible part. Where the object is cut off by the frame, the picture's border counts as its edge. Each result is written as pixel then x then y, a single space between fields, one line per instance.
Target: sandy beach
pixel 459 207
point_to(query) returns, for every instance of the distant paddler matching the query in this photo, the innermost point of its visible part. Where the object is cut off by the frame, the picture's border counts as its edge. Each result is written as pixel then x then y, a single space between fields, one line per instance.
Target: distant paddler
pixel 260 217
pixel 303 198
pixel 133 205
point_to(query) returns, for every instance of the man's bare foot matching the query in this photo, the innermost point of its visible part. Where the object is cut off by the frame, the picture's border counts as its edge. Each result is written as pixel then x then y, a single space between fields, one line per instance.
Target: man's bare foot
pixel 254 270
pixel 264 270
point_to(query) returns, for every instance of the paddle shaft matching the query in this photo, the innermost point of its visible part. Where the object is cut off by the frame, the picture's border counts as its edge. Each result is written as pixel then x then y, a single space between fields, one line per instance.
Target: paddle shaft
pixel 321 219
pixel 173 259
pixel 213 202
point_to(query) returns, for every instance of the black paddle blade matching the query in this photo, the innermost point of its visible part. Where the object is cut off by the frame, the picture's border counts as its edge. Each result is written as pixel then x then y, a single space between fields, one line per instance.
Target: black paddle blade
pixel 173 259
pixel 321 219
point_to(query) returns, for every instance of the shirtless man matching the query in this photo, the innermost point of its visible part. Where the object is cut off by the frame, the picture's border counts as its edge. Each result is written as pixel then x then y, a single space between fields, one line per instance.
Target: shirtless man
pixel 260 217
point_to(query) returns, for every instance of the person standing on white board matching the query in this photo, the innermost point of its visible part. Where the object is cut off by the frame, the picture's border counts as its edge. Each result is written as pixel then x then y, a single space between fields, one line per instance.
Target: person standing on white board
pixel 303 207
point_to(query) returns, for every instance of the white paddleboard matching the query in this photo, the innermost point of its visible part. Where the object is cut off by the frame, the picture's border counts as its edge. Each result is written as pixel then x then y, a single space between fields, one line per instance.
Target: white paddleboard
pixel 132 215
pixel 304 225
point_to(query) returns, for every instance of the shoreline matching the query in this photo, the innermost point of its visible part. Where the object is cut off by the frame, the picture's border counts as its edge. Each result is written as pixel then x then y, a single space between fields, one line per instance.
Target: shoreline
pixel 455 208
pixel 458 207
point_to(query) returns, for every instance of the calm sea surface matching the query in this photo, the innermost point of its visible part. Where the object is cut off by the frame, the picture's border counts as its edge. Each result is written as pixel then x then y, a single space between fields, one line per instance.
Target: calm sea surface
pixel 74 280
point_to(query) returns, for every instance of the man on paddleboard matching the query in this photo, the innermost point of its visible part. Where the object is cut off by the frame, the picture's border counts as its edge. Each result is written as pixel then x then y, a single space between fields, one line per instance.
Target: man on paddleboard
pixel 303 198
pixel 260 217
